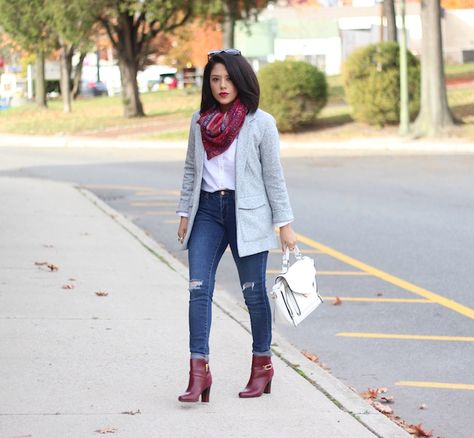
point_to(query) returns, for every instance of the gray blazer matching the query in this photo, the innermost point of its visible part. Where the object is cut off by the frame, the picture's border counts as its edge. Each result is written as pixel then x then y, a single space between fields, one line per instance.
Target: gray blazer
pixel 261 197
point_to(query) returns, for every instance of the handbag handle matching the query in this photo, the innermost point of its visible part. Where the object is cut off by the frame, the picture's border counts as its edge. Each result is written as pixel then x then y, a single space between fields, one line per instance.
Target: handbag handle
pixel 286 258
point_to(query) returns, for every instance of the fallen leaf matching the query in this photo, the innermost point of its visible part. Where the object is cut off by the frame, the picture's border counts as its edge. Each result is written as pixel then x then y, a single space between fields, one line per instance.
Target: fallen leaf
pixel 337 302
pixel 312 357
pixel 382 408
pixel 101 293
pixel 49 265
pixel 387 399
pixel 68 286
pixel 107 430
pixel 422 406
pixel 417 430
pixel 370 393
pixel 132 412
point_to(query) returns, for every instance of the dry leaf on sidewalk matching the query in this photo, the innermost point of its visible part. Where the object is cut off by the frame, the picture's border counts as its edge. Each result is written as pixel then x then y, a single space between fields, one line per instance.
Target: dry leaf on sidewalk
pixel 382 408
pixel 312 357
pixel 417 430
pixel 387 399
pixel 107 430
pixel 337 302
pixel 131 412
pixel 68 286
pixel 101 293
pixel 370 393
pixel 50 266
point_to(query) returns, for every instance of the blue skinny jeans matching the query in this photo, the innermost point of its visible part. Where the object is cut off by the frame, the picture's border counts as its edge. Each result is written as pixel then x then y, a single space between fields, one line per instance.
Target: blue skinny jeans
pixel 213 230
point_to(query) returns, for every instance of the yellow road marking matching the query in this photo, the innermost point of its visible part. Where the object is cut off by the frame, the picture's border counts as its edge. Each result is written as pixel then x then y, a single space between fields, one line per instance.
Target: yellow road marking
pixel 439 299
pixel 277 271
pixel 116 187
pixel 153 204
pixel 303 251
pixel 160 194
pixel 382 300
pixel 414 337
pixel 160 213
pixel 342 273
pixel 435 385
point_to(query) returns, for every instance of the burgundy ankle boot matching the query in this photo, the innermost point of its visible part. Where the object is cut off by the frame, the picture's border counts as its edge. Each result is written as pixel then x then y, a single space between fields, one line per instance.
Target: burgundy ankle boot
pixel 260 378
pixel 200 381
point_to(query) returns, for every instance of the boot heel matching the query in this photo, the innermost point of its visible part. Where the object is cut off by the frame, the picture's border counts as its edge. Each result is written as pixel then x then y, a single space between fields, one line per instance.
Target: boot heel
pixel 268 388
pixel 205 395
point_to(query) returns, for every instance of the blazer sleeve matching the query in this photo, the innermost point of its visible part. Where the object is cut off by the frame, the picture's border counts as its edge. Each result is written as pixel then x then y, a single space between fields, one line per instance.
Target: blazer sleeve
pixel 188 175
pixel 273 177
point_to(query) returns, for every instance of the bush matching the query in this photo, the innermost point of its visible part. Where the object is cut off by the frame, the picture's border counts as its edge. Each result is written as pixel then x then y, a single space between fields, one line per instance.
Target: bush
pixel 293 92
pixel 372 83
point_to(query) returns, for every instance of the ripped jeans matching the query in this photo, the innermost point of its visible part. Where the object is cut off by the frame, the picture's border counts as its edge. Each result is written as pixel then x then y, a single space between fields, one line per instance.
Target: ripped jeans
pixel 213 230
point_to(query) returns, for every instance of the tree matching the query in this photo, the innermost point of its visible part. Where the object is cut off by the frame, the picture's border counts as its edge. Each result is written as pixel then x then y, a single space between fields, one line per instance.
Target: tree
pixel 229 11
pixel 73 23
pixel 28 23
pixel 131 26
pixel 389 12
pixel 435 116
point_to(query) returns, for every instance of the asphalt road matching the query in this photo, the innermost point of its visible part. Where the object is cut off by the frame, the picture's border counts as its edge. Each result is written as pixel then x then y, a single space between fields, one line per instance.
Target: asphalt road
pixel 393 237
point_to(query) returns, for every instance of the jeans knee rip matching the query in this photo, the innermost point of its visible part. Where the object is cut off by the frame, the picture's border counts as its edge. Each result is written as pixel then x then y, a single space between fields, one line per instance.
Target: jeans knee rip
pixel 195 285
pixel 248 285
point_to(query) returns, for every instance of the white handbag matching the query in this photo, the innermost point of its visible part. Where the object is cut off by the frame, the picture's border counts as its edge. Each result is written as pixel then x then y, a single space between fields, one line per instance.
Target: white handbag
pixel 295 292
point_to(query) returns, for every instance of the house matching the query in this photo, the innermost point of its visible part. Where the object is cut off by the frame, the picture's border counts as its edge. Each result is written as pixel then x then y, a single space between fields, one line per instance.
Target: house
pixel 326 36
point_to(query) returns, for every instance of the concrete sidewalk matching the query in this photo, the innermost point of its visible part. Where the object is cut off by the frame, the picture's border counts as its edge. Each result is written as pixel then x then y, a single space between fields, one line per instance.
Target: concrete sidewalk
pixel 73 363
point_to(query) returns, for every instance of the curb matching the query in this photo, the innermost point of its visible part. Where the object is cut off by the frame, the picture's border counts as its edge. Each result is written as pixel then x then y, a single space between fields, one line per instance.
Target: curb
pixel 346 399
pixel 366 145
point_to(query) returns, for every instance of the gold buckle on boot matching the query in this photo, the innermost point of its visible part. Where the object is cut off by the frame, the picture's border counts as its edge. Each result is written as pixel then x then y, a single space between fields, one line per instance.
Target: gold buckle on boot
pixel 267 367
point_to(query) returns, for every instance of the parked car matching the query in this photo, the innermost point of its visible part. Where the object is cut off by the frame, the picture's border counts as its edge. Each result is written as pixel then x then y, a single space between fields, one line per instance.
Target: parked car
pixel 93 88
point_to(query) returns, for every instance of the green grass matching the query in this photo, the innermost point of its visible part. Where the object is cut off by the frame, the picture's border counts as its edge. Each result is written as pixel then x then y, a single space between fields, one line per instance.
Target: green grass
pixel 335 89
pixel 99 114
pixel 94 114
pixel 167 135
pixel 459 70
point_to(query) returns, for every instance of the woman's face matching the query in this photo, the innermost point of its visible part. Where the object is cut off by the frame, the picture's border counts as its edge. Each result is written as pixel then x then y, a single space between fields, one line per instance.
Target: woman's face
pixel 222 88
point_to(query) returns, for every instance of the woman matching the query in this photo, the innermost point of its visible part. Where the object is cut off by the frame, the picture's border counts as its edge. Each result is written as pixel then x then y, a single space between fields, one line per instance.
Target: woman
pixel 233 193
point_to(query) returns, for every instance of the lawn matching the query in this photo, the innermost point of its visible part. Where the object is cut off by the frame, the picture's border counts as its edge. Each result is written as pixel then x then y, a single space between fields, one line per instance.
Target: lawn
pixel 94 114
pixel 168 112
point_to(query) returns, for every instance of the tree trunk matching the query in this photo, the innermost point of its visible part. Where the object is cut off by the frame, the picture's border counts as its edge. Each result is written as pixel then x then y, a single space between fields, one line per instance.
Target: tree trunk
pixel 40 86
pixel 435 116
pixel 129 60
pixel 132 105
pixel 389 12
pixel 228 27
pixel 76 83
pixel 65 60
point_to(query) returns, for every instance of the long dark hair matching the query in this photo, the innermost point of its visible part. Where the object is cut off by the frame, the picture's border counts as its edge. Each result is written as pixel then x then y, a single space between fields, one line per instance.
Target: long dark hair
pixel 242 76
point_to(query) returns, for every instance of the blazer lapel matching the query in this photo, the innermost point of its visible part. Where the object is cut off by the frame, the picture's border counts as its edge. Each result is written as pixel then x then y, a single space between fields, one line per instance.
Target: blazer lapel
pixel 198 152
pixel 242 148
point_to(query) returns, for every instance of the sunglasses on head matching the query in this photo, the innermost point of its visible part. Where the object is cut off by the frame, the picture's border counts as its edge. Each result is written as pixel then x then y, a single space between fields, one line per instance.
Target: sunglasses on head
pixel 234 52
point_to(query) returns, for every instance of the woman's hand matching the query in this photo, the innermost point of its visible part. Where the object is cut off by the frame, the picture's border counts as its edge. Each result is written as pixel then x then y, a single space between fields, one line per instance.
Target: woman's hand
pixel 287 237
pixel 182 229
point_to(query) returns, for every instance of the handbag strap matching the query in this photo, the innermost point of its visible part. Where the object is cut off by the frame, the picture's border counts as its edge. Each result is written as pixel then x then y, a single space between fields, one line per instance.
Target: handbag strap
pixel 286 258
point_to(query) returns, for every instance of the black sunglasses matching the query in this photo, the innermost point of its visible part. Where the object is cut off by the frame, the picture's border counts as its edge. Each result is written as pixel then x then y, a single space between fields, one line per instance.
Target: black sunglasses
pixel 233 52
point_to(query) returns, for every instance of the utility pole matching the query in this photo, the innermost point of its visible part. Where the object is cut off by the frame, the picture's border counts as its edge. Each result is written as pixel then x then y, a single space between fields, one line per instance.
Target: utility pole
pixel 404 111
